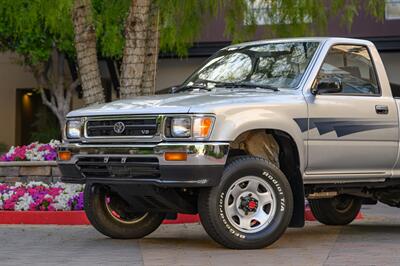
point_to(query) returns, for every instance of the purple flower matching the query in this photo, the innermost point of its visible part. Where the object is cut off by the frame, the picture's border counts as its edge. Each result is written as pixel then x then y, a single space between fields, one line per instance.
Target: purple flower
pixel 76 202
pixel 51 156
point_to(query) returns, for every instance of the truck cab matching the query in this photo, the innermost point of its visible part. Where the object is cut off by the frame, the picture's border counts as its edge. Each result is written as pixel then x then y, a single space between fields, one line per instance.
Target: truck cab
pixel 259 127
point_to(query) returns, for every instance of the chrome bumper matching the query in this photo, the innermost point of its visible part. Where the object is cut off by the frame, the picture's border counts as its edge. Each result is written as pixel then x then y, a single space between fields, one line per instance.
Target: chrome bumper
pixel 204 165
pixel 211 153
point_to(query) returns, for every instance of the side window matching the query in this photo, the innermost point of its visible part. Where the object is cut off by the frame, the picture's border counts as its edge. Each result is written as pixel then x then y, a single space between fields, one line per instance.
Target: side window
pixel 350 66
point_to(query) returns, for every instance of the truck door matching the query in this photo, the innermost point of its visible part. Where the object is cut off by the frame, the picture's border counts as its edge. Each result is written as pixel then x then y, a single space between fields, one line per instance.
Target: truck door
pixel 353 130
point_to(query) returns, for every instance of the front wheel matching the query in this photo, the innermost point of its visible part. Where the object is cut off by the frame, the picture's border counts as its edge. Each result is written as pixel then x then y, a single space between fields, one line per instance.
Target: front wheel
pixel 340 210
pixel 110 215
pixel 250 208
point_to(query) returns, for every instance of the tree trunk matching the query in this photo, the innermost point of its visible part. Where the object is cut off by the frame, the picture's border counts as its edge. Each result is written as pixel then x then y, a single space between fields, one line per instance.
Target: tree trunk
pixel 85 45
pixel 134 56
pixel 151 54
pixel 51 76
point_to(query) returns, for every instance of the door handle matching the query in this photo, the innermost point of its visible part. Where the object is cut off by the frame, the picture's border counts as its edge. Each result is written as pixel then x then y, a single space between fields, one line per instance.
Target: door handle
pixel 382 109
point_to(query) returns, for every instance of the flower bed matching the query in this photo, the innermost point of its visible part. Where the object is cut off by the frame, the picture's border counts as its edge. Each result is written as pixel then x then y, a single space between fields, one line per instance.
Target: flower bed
pixel 32 152
pixel 38 196
pixel 57 203
pixel 33 162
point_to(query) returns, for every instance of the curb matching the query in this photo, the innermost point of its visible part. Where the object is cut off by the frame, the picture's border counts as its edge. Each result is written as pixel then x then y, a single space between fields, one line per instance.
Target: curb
pixel 44 217
pixel 67 218
pixel 79 218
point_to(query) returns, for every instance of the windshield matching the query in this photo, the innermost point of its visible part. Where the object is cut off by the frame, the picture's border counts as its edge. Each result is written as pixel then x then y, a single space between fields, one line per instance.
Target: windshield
pixel 273 65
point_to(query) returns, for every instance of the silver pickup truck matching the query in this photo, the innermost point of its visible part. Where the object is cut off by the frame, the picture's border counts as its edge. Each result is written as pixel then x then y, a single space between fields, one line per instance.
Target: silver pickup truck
pixel 256 129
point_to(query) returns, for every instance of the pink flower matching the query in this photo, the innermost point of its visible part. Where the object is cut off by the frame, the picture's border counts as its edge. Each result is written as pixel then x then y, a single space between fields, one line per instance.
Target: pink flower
pixel 9 205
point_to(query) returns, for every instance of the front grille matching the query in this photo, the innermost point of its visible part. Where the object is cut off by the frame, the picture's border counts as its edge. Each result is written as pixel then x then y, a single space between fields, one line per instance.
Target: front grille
pixel 119 167
pixel 144 127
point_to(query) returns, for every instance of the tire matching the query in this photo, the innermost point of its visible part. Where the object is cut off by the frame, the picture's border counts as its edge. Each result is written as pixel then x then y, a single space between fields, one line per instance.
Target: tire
pixel 223 208
pixel 340 210
pixel 99 208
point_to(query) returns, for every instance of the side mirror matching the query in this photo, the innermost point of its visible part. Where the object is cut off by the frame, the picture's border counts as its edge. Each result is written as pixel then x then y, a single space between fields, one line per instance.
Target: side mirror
pixel 328 85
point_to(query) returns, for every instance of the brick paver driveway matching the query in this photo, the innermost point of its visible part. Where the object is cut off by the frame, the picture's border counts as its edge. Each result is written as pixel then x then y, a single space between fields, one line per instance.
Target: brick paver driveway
pixel 372 241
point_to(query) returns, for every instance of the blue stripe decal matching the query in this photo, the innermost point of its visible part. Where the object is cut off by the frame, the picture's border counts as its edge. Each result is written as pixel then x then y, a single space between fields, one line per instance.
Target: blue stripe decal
pixel 340 126
pixel 302 123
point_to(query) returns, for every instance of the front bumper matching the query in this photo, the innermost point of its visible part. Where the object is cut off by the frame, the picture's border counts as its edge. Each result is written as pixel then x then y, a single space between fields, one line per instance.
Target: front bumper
pixel 145 164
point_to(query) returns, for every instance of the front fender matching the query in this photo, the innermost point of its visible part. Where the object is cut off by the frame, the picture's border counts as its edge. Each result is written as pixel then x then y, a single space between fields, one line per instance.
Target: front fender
pixel 231 124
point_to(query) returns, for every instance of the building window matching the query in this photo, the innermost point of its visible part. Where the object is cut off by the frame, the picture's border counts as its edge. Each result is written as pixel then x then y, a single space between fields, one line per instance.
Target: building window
pixel 392 9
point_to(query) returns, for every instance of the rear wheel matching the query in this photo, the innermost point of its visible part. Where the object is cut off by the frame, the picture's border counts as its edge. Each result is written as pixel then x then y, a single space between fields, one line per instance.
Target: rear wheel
pixel 250 208
pixel 110 215
pixel 340 210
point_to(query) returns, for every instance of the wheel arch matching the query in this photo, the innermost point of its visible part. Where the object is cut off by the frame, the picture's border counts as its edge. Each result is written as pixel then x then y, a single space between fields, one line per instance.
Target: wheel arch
pixel 229 128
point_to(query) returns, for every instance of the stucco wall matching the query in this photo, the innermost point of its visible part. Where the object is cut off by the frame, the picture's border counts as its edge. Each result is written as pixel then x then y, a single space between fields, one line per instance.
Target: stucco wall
pixel 12 76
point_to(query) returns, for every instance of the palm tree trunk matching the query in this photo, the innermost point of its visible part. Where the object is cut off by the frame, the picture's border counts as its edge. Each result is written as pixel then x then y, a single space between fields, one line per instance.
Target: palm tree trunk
pixel 151 54
pixel 85 45
pixel 134 56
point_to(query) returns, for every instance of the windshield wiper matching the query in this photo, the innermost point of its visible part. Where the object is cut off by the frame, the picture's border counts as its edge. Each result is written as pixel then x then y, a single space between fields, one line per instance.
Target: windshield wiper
pixel 245 84
pixel 199 86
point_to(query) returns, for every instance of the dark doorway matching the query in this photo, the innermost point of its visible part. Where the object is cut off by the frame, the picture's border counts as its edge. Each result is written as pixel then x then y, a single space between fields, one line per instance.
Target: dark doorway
pixel 34 121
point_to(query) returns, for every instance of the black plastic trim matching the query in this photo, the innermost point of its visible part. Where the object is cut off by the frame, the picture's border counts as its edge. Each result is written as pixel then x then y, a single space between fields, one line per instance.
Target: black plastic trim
pixel 171 176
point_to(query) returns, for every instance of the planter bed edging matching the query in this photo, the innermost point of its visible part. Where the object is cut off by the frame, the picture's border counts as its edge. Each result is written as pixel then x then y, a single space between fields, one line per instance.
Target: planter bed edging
pixel 26 171
pixel 67 218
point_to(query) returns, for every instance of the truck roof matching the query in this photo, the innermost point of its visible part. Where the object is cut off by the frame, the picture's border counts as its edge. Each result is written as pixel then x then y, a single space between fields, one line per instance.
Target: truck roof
pixel 306 39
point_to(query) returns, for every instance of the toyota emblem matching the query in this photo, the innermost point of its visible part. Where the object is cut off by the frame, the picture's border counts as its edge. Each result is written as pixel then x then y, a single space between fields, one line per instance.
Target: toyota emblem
pixel 119 127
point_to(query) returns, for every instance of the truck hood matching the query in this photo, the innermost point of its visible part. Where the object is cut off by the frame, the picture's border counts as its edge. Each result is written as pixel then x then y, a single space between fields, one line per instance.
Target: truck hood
pixel 192 102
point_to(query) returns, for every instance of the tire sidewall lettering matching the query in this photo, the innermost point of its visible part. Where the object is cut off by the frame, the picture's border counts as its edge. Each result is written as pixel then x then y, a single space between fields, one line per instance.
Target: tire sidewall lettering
pixel 226 223
pixel 279 191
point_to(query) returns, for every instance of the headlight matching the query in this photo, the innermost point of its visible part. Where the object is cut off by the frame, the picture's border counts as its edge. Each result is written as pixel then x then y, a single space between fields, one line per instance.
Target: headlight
pixel 180 127
pixel 73 129
pixel 196 127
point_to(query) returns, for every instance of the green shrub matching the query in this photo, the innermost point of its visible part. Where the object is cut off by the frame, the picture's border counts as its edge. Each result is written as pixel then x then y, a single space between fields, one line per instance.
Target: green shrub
pixel 3 148
pixel 45 127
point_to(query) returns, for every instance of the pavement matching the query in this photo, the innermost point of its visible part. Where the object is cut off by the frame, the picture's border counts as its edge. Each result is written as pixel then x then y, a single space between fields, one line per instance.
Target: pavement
pixel 375 240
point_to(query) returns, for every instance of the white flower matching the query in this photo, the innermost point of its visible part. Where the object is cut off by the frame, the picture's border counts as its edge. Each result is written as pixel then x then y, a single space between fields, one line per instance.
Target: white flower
pixel 54 143
pixel 61 202
pixel 6 196
pixel 37 183
pixel 24 202
pixel 59 185
pixel 69 191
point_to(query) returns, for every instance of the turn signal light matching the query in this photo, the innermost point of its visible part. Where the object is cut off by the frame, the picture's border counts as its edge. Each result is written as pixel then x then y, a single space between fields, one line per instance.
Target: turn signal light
pixel 64 155
pixel 202 126
pixel 175 156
